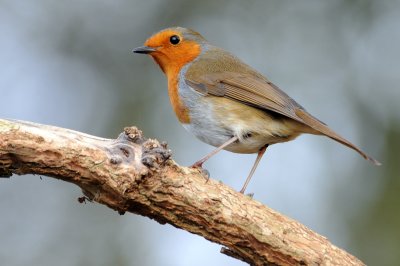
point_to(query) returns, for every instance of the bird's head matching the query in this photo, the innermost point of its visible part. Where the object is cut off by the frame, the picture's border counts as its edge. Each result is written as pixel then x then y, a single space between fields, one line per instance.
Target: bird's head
pixel 172 48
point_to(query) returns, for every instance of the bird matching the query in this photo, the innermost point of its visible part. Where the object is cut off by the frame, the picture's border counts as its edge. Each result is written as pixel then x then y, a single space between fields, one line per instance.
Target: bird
pixel 226 103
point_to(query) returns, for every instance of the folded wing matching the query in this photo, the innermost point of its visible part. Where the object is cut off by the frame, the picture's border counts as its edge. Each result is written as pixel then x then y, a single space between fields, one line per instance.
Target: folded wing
pixel 261 93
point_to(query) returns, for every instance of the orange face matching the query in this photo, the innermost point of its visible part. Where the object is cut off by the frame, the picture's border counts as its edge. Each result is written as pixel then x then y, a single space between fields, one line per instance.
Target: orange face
pixel 172 50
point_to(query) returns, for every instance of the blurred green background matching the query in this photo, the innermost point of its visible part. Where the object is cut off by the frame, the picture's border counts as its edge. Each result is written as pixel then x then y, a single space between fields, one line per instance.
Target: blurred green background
pixel 69 63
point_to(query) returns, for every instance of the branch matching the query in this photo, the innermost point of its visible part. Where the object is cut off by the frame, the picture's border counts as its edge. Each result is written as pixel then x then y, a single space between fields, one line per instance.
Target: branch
pixel 134 174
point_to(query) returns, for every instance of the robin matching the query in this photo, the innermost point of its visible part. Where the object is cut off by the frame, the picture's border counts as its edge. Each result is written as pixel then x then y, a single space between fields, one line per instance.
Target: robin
pixel 225 102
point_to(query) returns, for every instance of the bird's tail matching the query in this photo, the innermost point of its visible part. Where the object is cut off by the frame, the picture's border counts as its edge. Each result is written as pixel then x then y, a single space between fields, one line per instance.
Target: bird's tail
pixel 320 127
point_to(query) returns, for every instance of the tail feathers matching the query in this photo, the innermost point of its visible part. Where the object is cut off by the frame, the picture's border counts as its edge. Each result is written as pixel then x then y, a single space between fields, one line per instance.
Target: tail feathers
pixel 320 127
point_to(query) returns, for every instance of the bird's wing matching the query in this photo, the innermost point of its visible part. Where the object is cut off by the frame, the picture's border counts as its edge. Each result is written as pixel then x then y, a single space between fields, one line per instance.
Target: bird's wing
pixel 263 94
pixel 248 89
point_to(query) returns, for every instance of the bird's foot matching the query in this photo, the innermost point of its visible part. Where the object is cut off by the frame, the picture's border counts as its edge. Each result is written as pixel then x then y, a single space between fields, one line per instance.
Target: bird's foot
pixel 205 172
pixel 250 195
pixel 198 164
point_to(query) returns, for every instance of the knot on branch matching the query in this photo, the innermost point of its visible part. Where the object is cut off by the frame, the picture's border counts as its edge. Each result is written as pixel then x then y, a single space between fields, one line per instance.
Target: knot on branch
pixel 122 149
pixel 155 154
pixel 134 134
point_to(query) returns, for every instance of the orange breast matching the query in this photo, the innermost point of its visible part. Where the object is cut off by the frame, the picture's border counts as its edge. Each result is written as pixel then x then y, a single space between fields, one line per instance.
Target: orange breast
pixel 171 68
pixel 180 109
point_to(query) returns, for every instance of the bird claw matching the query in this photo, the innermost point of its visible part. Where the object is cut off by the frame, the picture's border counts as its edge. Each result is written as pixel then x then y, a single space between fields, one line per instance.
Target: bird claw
pixel 205 173
pixel 250 195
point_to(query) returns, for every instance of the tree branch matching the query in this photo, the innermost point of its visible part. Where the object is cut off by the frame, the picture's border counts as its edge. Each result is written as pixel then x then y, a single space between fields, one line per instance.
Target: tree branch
pixel 133 174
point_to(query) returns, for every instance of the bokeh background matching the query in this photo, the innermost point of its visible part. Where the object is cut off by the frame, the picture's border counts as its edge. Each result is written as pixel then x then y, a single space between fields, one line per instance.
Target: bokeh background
pixel 69 64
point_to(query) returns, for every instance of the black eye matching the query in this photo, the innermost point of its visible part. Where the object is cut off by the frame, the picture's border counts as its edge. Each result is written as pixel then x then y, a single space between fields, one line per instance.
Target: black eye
pixel 174 39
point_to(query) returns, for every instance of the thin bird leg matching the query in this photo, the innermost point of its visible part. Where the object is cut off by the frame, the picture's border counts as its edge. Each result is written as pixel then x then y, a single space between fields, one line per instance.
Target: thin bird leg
pixel 253 169
pixel 200 162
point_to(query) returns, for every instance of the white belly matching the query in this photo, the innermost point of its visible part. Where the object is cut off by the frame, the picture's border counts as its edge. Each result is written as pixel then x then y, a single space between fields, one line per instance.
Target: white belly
pixel 254 128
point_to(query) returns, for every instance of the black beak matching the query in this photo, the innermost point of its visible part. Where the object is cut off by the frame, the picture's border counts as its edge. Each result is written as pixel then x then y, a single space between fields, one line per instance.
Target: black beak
pixel 144 50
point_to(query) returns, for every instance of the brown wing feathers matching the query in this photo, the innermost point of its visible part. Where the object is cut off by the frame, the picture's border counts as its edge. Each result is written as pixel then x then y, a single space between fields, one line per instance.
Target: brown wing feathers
pixel 262 94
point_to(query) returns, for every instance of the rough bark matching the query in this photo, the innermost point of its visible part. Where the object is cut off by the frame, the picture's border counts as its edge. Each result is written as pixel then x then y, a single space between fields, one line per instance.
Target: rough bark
pixel 134 174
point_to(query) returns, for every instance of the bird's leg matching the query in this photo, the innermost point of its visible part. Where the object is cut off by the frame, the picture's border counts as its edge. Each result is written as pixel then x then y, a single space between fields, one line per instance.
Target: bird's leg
pixel 253 169
pixel 200 162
